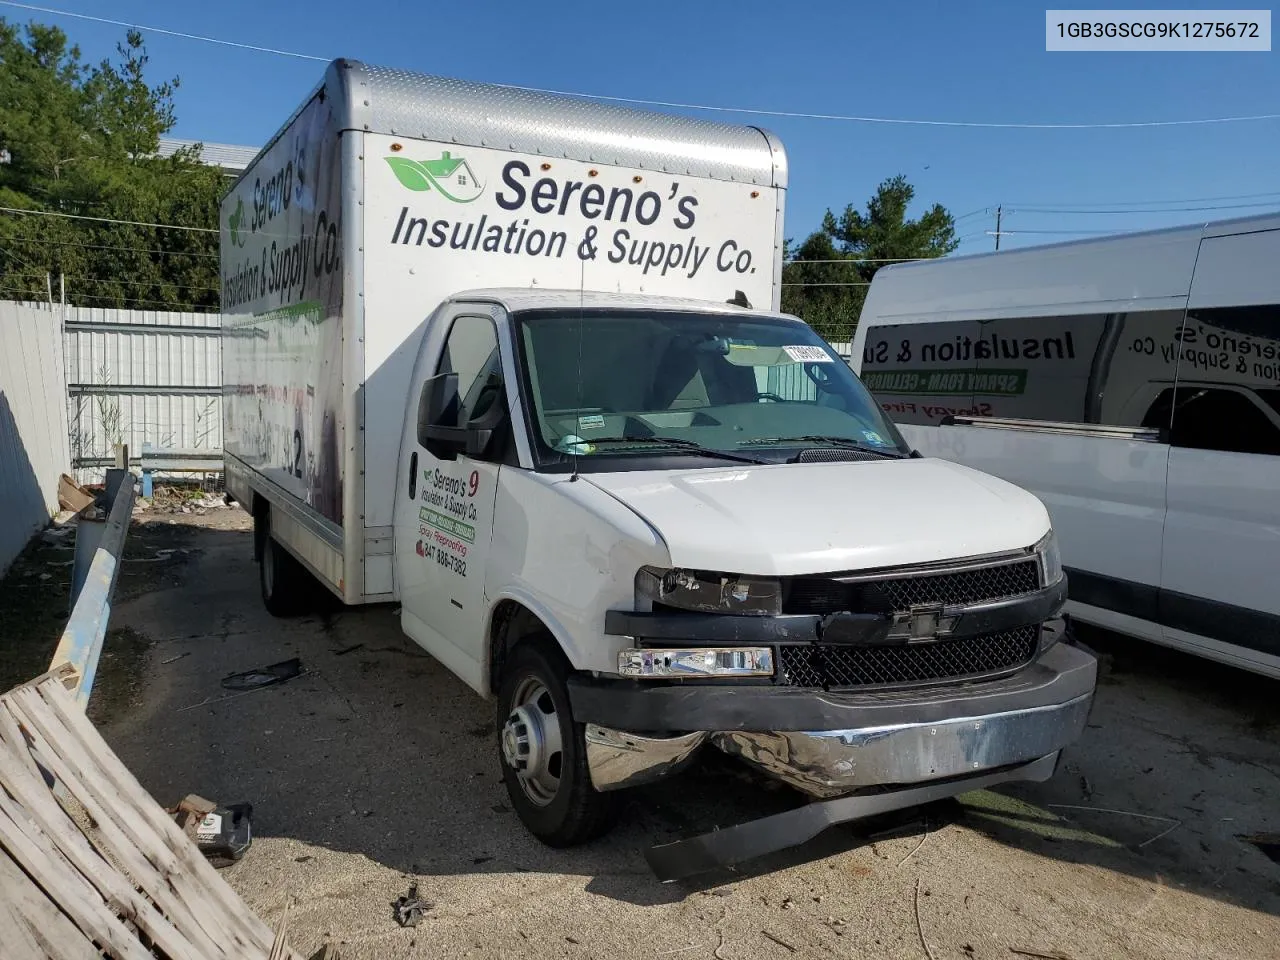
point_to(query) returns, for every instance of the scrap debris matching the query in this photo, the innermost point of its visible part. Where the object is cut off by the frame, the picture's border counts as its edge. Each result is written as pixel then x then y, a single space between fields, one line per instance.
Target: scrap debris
pixel 409 908
pixel 1039 955
pixel 1175 823
pixel 920 926
pixel 222 834
pixel 263 676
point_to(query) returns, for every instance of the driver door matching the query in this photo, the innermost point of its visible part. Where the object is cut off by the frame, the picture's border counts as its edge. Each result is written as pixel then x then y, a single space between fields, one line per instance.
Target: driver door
pixel 444 513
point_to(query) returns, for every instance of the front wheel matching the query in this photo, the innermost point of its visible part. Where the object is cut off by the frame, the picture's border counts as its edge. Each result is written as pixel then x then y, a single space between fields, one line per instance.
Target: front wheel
pixel 543 751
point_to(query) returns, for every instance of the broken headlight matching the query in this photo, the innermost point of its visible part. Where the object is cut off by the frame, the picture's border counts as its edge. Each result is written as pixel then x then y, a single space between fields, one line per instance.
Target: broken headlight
pixel 707 592
pixel 1050 560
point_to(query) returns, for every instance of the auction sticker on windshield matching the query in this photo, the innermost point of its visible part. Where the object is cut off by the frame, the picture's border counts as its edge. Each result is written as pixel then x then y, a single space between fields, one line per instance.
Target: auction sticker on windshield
pixel 807 354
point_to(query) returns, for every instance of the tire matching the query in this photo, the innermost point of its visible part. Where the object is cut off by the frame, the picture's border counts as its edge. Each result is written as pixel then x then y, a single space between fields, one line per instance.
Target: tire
pixel 282 579
pixel 562 810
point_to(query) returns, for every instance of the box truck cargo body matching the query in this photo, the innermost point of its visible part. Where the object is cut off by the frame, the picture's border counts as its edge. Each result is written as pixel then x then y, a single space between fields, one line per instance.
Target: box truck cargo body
pixel 514 361
pixel 387 193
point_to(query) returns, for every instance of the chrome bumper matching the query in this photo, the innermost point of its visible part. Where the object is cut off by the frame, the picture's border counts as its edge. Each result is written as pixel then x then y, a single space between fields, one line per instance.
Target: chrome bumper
pixel 830 763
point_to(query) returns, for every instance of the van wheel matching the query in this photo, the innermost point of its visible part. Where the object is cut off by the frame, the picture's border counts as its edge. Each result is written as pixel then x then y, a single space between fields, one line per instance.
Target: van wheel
pixel 282 579
pixel 543 752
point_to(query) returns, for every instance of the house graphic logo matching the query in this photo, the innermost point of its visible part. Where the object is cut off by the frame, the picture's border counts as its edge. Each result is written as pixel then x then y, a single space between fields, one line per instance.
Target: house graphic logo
pixel 449 176
pixel 236 224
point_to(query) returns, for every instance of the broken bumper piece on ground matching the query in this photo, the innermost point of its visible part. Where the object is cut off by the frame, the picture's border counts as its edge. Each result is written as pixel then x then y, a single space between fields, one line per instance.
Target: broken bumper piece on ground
pixel 747 841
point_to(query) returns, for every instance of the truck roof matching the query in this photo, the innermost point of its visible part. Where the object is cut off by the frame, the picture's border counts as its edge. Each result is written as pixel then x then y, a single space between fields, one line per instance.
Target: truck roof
pixel 416 105
pixel 525 298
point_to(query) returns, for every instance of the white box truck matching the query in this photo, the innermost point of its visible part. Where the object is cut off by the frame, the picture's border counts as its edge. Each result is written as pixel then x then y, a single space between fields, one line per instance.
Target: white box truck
pixel 514 361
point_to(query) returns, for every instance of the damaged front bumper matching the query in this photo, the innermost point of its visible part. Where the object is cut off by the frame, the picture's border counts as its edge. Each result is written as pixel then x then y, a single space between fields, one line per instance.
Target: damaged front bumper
pixel 874 751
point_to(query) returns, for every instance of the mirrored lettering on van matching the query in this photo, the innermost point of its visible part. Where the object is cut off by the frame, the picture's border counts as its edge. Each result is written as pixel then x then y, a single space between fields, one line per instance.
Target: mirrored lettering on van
pixel 1084 368
pixel 922 372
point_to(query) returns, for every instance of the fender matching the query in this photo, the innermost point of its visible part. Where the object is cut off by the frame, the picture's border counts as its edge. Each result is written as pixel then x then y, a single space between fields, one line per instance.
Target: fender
pixel 558 630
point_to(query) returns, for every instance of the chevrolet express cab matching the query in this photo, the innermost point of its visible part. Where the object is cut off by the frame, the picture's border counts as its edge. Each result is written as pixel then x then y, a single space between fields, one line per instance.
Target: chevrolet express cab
pixel 514 362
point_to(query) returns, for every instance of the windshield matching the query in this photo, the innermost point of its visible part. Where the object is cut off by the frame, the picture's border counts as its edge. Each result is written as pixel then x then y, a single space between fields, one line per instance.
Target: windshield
pixel 644 383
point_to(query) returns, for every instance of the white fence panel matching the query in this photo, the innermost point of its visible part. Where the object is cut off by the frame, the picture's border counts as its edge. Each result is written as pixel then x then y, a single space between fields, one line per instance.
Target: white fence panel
pixel 33 424
pixel 139 377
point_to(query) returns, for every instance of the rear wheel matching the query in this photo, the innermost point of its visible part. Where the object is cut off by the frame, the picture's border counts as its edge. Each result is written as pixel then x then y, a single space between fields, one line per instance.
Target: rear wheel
pixel 543 751
pixel 283 580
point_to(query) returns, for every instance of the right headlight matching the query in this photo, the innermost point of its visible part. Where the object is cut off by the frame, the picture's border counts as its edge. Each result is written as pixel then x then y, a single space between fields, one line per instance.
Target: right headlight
pixel 1050 559
pixel 710 592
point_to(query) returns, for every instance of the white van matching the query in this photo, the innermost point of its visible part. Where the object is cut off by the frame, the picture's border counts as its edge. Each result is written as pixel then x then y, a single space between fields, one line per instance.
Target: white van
pixel 1133 384
pixel 514 362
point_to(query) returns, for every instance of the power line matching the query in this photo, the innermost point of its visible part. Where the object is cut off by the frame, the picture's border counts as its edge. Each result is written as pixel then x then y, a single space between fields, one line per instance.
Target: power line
pixel 145 283
pixel 125 223
pixel 852 260
pixel 786 114
pixel 171 33
pixel 1011 233
pixel 107 246
pixel 191 307
pixel 864 283
pixel 1136 203
pixel 1073 212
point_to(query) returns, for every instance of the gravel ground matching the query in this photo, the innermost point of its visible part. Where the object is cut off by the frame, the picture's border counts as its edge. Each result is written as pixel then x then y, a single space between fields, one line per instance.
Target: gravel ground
pixel 376 768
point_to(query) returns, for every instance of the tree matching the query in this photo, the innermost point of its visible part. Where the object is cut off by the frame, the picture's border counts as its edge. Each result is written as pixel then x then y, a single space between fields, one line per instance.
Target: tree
pixel 83 140
pixel 829 294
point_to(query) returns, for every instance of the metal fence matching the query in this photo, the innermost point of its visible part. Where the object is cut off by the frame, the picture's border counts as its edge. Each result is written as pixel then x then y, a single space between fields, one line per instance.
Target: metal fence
pixel 33 423
pixel 141 377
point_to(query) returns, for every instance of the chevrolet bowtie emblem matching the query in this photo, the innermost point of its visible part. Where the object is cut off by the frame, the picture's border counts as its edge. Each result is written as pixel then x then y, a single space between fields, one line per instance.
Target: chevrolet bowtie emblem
pixel 920 623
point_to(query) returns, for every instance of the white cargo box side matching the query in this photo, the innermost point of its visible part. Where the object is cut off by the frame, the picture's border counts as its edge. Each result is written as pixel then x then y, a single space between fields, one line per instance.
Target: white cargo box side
pixel 287 346
pixel 442 191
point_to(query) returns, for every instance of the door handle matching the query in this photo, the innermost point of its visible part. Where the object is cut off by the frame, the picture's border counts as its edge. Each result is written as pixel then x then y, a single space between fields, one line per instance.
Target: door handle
pixel 413 475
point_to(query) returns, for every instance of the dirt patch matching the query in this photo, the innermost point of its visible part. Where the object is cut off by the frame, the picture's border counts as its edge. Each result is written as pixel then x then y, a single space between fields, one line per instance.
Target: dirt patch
pixel 121 679
pixel 35 593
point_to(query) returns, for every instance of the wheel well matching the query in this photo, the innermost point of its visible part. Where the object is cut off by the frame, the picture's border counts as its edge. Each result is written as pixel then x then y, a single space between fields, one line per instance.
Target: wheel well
pixel 511 624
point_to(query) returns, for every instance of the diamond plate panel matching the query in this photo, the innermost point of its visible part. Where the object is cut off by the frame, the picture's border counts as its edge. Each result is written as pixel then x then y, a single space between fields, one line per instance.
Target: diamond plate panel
pixel 403 103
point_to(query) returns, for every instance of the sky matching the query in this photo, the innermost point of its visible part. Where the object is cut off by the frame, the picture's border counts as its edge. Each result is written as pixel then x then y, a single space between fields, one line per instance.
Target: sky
pixel 952 61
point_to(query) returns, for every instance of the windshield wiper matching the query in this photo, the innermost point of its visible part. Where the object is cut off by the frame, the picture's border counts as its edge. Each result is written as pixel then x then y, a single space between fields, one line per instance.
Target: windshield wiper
pixel 681 445
pixel 842 442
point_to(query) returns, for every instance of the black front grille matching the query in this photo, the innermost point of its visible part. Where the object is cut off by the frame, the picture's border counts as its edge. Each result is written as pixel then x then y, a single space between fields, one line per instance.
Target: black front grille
pixel 837 665
pixel 822 595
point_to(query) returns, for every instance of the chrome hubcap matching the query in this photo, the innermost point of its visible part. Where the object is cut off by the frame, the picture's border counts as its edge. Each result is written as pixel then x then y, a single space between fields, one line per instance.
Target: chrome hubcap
pixel 531 743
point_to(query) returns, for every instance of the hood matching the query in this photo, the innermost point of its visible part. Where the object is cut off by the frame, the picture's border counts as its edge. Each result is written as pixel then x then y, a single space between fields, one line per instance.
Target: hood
pixel 803 518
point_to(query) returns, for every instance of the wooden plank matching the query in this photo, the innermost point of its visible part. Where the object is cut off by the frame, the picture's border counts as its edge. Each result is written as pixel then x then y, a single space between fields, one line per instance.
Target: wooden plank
pixel 80 901
pixel 180 861
pixel 116 772
pixel 150 865
pixel 19 942
pixel 39 806
pixel 10 734
pixel 54 931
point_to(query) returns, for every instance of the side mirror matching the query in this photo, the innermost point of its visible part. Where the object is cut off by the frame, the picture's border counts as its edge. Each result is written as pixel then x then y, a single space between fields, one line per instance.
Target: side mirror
pixel 439 413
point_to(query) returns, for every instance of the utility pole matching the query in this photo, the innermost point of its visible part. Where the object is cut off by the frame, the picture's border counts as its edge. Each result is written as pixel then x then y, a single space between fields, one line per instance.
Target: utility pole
pixel 998 211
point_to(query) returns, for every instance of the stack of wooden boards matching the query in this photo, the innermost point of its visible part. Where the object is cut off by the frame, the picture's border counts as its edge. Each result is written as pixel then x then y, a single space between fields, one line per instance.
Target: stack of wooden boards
pixel 90 864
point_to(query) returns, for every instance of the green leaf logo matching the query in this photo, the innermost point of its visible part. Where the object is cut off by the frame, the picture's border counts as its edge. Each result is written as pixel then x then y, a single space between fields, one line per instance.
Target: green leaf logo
pixel 235 224
pixel 450 176
pixel 410 173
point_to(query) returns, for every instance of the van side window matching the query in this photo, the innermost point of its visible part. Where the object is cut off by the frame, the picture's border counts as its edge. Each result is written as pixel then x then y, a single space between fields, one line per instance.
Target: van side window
pixel 1219 418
